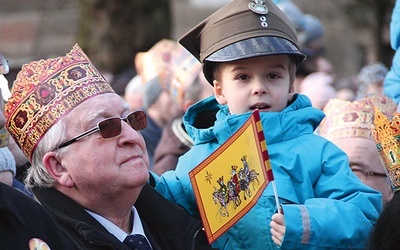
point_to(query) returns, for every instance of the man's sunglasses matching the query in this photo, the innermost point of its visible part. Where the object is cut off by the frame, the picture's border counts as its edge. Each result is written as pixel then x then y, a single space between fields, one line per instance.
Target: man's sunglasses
pixel 111 127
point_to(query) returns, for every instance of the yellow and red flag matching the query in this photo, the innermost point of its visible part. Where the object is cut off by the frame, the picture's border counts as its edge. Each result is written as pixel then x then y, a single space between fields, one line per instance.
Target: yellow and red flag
pixel 228 183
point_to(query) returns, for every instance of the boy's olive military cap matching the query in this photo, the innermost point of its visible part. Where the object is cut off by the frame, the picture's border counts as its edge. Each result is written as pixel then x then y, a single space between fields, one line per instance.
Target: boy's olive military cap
pixel 240 30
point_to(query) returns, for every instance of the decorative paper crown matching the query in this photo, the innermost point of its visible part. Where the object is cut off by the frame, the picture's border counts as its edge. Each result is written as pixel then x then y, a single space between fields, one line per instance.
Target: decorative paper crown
pixel 47 90
pixel 346 119
pixel 159 60
pixel 387 138
pixel 185 73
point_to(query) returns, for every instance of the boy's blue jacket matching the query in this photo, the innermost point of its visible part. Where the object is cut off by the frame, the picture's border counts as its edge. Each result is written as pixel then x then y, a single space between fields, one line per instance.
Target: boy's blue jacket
pixel 325 205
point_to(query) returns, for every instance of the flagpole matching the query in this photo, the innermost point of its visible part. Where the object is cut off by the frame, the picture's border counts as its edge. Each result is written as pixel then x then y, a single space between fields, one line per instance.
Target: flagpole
pixel 276 196
pixel 263 143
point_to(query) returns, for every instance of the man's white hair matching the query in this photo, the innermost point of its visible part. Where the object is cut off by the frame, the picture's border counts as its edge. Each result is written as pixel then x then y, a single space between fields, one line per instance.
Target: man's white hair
pixel 37 174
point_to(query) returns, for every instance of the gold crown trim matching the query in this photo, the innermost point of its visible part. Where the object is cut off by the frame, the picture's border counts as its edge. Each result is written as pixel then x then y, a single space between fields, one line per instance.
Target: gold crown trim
pixel 387 137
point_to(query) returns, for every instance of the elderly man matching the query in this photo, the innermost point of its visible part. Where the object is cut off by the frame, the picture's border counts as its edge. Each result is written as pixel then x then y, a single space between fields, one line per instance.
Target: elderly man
pixel 89 161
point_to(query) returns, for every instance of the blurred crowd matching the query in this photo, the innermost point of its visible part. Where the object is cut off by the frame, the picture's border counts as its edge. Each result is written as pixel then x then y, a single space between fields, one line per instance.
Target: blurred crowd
pixel 169 80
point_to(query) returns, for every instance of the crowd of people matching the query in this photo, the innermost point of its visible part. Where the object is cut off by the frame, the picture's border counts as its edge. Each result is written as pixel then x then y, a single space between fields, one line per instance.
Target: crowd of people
pixel 82 167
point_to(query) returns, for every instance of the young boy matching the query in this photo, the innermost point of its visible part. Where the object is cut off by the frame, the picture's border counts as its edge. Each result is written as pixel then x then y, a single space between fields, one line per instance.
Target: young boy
pixel 249 53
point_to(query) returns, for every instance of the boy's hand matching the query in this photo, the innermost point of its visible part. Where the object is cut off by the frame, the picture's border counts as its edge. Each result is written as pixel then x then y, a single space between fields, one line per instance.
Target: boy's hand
pixel 278 228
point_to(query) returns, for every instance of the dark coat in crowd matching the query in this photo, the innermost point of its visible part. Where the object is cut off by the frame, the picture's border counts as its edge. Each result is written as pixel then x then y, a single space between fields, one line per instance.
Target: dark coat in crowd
pixel 166 225
pixel 25 224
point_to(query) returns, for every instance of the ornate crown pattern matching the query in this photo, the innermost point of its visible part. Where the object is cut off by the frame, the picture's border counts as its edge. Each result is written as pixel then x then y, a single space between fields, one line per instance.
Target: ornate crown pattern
pixel 45 91
pixel 160 60
pixel 346 119
pixel 184 75
pixel 387 137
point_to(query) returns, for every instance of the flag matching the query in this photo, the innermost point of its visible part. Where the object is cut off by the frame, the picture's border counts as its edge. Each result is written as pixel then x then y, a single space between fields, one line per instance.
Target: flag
pixel 229 182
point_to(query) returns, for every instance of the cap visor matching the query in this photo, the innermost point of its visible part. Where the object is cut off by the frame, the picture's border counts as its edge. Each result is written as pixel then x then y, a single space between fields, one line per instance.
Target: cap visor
pixel 257 46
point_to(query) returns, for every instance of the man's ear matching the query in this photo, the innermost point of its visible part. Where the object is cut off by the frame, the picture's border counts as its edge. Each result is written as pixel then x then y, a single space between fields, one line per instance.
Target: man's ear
pixel 218 93
pixel 60 174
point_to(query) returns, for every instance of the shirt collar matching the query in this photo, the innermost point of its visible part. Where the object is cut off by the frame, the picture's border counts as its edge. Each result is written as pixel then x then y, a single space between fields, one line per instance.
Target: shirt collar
pixel 116 231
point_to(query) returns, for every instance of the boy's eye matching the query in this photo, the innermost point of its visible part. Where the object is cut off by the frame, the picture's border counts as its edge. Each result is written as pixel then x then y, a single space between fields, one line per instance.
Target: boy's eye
pixel 273 76
pixel 243 77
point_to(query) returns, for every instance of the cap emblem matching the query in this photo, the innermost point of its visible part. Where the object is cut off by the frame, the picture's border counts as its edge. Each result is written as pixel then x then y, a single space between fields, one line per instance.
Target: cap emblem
pixel 259 7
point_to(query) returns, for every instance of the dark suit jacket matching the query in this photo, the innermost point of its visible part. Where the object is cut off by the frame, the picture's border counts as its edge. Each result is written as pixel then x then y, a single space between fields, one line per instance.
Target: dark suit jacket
pixel 167 226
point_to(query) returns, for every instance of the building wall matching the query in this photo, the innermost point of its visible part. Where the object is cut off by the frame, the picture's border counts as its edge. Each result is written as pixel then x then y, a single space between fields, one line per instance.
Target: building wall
pixel 36 28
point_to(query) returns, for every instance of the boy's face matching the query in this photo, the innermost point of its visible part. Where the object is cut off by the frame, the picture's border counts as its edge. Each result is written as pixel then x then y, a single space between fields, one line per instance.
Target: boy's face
pixel 259 82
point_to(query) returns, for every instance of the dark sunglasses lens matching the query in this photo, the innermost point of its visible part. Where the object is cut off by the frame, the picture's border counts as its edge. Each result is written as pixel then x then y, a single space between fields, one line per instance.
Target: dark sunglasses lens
pixel 110 128
pixel 137 120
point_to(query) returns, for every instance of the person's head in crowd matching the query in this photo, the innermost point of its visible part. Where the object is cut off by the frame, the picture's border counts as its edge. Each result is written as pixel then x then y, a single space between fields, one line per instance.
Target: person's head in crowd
pixel 5 139
pixel 348 125
pixel 159 60
pixel 158 103
pixel 310 30
pixel 10 155
pixel 292 11
pixel 120 80
pixel 155 68
pixel 4 69
pixel 318 86
pixel 311 34
pixel 324 65
pixel 345 94
pixel 346 88
pixel 134 93
pixel 7 166
pixel 188 84
pixel 370 80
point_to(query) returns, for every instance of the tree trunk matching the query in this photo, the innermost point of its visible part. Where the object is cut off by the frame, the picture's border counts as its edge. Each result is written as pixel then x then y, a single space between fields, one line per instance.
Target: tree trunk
pixel 111 32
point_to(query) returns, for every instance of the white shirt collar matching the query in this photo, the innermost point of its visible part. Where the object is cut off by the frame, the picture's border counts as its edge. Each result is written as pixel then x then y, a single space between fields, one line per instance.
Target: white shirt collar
pixel 116 231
